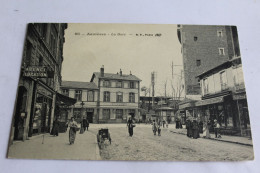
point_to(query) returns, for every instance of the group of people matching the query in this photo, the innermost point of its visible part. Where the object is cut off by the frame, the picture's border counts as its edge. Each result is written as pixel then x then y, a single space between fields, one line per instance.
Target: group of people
pixel 73 125
pixel 194 128
pixel 156 127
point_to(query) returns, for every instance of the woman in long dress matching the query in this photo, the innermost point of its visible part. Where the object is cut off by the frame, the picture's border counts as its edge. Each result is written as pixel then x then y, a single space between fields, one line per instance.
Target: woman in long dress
pixel 73 129
pixel 154 127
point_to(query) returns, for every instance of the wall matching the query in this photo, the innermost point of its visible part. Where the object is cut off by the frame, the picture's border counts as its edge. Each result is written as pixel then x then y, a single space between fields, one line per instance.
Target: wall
pixel 205 49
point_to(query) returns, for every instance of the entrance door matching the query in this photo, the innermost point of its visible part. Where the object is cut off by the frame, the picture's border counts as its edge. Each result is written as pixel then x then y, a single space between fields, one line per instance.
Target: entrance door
pixel 20 109
pixel 90 117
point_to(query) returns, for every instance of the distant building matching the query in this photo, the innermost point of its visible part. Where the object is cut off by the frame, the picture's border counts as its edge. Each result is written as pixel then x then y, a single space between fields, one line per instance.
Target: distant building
pixel 224 97
pixel 203 48
pixel 117 98
pixel 39 81
pixel 86 95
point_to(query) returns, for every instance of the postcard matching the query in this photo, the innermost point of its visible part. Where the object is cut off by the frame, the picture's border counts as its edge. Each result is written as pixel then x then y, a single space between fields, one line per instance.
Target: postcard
pixel 139 92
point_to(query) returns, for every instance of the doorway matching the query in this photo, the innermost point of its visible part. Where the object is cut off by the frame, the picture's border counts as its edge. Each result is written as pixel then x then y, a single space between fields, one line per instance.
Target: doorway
pixel 20 113
pixel 90 117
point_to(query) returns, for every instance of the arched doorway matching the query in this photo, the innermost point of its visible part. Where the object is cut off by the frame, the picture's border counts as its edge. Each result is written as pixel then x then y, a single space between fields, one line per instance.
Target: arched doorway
pixel 20 112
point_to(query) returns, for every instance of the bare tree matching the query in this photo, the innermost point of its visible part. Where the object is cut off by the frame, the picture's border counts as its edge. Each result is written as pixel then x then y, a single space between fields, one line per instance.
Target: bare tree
pixel 177 85
pixel 145 90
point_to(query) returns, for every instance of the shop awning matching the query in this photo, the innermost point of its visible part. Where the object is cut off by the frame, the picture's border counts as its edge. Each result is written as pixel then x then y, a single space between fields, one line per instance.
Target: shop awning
pixel 210 101
pixel 62 99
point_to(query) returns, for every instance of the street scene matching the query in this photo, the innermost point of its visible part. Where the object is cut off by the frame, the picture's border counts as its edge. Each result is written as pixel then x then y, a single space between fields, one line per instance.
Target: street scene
pixel 131 92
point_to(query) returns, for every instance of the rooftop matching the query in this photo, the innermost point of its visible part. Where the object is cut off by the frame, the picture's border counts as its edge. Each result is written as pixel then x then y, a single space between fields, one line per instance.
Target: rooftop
pixel 77 84
pixel 117 76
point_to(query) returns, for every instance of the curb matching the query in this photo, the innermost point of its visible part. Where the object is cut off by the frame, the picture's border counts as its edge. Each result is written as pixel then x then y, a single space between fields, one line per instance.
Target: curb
pixel 98 157
pixel 251 145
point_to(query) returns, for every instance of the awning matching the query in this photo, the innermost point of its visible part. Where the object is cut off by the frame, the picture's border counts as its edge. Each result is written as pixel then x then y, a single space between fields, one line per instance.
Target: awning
pixel 62 99
pixel 210 101
pixel 186 105
pixel 165 108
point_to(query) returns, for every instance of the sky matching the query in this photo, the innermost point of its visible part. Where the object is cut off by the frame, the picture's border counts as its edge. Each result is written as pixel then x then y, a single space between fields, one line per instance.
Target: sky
pixel 129 47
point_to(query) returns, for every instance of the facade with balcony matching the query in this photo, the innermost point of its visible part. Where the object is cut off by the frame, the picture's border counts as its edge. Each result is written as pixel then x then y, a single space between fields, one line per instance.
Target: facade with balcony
pixel 224 97
pixel 86 94
pixel 117 98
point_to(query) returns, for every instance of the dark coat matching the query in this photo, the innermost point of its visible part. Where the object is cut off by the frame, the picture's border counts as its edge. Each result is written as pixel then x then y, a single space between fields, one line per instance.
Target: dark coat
pixel 55 128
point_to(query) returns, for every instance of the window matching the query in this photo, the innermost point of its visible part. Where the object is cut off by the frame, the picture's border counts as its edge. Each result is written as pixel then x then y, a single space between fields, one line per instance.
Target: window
pixel 198 62
pixel 119 97
pixel 78 95
pixel 28 53
pixel 77 113
pixel 106 114
pixel 65 92
pixel 106 83
pixel 223 80
pixel 119 113
pixel 40 61
pixel 220 33
pixel 221 51
pixel 131 97
pixel 132 85
pixel 106 96
pixel 119 84
pixel 195 38
pixel 90 96
pixel 205 86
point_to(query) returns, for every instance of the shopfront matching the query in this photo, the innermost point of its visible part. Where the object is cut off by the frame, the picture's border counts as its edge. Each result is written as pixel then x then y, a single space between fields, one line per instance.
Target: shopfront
pixel 41 121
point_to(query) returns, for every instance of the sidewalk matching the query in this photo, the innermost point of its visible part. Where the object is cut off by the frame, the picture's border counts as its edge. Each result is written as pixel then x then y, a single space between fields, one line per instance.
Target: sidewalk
pixel 45 146
pixel 224 138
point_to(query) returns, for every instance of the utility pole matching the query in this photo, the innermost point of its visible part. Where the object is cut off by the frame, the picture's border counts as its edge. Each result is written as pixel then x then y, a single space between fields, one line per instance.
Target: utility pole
pixel 153 83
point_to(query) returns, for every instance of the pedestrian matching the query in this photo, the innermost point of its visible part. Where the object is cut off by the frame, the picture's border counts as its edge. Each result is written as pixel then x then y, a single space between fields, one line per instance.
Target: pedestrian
pixel 73 129
pixel 166 124
pixel 163 123
pixel 195 129
pixel 55 128
pixel 159 127
pixel 188 127
pixel 216 129
pixel 154 127
pixel 206 133
pixel 200 127
pixel 177 123
pixel 131 126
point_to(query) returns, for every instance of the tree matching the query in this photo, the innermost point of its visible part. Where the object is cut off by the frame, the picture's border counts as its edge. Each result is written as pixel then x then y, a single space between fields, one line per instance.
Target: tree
pixel 145 90
pixel 177 86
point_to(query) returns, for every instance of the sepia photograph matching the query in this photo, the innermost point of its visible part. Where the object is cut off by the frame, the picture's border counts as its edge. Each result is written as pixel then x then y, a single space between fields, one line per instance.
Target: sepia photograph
pixel 131 92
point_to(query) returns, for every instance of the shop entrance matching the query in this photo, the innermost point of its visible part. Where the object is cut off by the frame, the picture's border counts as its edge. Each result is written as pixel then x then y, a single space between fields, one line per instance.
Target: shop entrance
pixel 20 113
pixel 90 117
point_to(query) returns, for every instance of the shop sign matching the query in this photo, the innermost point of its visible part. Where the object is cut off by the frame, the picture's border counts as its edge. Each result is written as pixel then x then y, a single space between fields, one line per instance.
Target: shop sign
pixel 239 97
pixel 37 71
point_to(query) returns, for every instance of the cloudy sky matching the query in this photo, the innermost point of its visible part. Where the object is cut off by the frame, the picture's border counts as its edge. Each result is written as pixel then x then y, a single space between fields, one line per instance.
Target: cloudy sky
pixel 128 47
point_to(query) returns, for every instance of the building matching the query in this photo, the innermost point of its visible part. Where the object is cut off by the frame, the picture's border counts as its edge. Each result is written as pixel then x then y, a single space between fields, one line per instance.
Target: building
pixel 224 97
pixel 203 48
pixel 164 108
pixel 86 95
pixel 39 81
pixel 118 96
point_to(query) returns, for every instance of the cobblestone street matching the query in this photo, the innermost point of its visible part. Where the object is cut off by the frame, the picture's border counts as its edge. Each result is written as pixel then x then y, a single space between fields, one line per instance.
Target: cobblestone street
pixel 169 146
pixel 142 146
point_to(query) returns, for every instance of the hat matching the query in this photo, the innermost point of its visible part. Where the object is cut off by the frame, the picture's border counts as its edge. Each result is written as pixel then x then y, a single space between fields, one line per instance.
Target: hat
pixel 215 120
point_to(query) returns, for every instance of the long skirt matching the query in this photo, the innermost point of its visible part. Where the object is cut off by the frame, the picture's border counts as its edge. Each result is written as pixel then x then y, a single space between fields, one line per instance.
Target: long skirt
pixel 195 133
pixel 72 135
pixel 131 131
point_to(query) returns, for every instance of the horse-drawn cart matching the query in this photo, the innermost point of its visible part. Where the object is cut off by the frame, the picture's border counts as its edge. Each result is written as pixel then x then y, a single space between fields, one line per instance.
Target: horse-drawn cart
pixel 102 135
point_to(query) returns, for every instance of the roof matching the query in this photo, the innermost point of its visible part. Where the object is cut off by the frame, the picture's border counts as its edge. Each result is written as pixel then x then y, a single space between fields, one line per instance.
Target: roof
pixel 220 67
pixel 116 76
pixel 76 84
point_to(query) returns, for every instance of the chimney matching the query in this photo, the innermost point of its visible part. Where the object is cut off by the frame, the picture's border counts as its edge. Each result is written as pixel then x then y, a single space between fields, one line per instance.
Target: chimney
pixel 130 73
pixel 102 71
pixel 120 72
